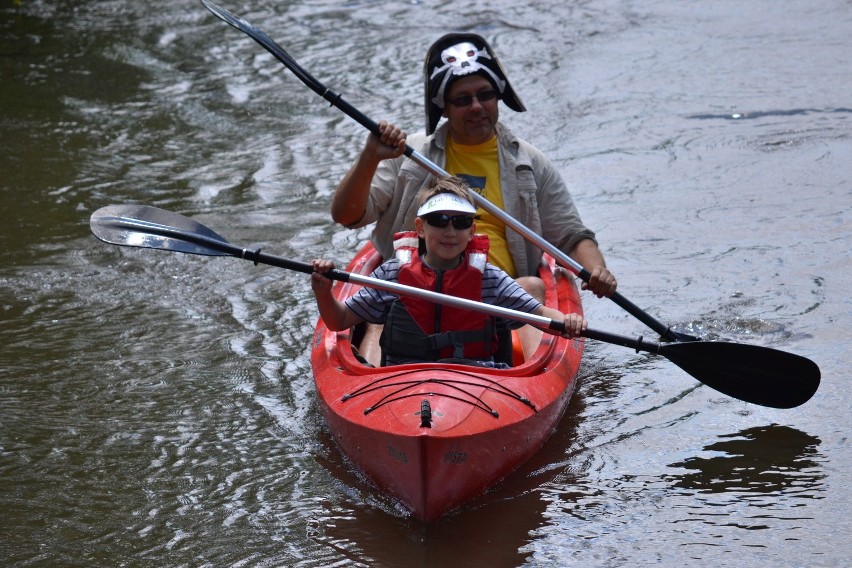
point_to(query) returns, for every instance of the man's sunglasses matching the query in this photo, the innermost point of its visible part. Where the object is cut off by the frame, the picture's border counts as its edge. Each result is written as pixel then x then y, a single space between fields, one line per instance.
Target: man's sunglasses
pixel 441 220
pixel 467 100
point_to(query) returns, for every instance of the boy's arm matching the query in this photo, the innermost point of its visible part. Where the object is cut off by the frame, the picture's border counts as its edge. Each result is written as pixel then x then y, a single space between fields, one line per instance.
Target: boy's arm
pixel 333 312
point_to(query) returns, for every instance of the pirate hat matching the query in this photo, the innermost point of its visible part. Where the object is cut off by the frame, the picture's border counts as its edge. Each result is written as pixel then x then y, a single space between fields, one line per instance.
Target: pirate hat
pixel 457 55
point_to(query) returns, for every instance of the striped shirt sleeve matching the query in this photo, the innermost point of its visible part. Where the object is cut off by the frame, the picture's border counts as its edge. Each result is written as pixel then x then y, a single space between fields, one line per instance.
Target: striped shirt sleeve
pixel 370 304
pixel 500 289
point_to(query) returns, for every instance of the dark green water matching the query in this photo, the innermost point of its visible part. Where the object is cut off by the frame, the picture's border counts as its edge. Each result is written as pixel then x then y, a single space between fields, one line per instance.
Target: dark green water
pixel 157 409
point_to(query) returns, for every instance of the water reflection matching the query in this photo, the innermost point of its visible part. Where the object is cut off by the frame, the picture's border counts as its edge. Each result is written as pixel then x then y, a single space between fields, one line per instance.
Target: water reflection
pixel 766 460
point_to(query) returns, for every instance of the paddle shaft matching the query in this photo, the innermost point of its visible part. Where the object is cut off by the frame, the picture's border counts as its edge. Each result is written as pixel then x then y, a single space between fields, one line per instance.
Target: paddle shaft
pixel 336 100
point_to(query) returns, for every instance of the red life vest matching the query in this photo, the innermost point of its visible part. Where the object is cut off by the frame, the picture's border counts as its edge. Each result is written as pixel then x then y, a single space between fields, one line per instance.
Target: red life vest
pixel 417 329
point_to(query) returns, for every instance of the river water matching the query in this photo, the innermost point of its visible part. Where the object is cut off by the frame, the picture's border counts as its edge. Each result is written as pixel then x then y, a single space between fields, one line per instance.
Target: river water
pixel 157 409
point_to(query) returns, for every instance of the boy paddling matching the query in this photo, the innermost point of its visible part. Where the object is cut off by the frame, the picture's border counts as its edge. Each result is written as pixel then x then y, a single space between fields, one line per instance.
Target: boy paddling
pixel 442 254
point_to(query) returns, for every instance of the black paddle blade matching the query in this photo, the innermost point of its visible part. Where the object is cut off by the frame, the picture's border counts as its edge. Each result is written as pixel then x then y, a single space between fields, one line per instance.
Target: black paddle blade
pixel 752 373
pixel 150 227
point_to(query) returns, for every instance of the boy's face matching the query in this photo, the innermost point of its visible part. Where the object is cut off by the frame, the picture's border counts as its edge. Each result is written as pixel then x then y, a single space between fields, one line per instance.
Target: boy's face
pixel 444 245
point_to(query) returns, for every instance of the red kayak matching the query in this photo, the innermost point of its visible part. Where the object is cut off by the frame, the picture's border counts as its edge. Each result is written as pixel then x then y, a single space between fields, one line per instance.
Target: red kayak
pixel 435 435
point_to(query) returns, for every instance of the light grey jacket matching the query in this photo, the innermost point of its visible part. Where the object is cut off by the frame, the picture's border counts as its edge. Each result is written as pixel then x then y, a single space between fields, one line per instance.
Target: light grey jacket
pixel 533 193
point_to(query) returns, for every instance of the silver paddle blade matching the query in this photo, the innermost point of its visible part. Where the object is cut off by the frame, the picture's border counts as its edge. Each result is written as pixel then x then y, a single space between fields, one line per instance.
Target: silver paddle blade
pixel 150 227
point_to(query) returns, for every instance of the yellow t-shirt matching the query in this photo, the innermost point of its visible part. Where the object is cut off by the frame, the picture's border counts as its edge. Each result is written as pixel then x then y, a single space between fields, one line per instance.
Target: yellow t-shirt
pixel 479 166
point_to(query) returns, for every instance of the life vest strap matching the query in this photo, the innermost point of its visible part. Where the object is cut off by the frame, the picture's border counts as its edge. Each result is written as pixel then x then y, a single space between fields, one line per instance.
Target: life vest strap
pixel 458 339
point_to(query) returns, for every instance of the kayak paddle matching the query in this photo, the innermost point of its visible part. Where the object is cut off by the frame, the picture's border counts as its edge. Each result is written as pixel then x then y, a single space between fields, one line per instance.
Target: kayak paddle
pixel 751 373
pixel 665 332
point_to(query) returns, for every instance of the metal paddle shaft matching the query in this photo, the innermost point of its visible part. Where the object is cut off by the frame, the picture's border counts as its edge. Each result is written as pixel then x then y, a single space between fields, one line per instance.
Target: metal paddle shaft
pixel 754 374
pixel 336 100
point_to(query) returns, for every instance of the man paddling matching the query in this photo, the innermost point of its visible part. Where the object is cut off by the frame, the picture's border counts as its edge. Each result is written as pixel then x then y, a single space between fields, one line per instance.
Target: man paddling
pixel 463 83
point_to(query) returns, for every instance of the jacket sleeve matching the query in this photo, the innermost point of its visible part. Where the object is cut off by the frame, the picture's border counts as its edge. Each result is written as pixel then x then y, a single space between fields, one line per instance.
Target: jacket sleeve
pixel 381 192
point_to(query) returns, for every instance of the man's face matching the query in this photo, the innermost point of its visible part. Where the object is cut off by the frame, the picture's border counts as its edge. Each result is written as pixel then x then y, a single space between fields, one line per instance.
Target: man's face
pixel 473 123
